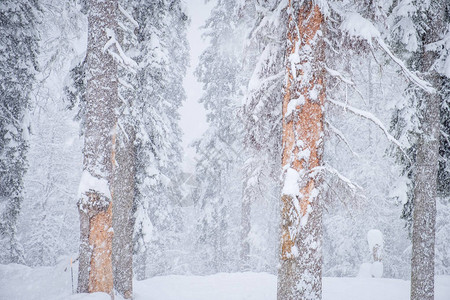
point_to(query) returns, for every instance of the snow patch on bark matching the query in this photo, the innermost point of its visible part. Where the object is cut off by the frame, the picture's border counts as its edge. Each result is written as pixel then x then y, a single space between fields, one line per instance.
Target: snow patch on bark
pixel 90 183
pixel 291 181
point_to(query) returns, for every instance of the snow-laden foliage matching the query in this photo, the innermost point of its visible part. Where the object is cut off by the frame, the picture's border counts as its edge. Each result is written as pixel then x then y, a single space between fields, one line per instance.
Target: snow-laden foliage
pixel 159 95
pixel 48 223
pixel 362 82
pixel 18 66
pixel 261 116
pixel 411 30
pixel 218 169
pixel 375 85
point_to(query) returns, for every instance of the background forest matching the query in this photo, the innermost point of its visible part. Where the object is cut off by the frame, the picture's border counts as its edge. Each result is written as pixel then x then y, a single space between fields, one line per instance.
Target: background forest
pixel 214 206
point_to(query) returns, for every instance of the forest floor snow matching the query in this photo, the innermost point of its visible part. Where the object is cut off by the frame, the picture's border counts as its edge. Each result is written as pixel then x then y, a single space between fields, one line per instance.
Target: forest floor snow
pixel 53 283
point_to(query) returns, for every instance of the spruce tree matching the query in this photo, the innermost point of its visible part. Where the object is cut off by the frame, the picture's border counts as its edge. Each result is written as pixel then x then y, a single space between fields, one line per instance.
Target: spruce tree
pixel 18 65
pixel 218 169
pixel 158 136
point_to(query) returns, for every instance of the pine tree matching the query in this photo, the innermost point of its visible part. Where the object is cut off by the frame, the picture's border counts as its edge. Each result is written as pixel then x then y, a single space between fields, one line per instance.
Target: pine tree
pixel 218 169
pixel 262 130
pixel 95 205
pixel 300 271
pixel 46 222
pixel 124 183
pixel 158 136
pixel 424 30
pixel 18 64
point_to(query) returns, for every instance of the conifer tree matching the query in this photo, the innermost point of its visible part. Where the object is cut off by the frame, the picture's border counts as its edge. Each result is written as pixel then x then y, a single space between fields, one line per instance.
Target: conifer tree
pixel 261 113
pixel 300 271
pixel 218 171
pixel 424 32
pixel 95 206
pixel 18 64
pixel 158 136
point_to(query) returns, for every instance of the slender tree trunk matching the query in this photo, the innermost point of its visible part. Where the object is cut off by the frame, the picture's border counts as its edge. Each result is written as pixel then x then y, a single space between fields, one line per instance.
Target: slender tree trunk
pixel 300 271
pixel 95 206
pixel 245 228
pixel 123 220
pixel 141 264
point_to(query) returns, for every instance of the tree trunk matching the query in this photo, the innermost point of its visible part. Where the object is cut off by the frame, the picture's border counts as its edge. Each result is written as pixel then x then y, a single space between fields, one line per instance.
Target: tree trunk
pixel 427 158
pixel 95 205
pixel 300 271
pixel 245 228
pixel 123 220
pixel 424 215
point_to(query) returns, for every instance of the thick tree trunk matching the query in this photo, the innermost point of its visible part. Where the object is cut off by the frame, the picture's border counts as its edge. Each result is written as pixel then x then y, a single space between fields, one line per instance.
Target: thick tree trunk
pixel 123 220
pixel 425 192
pixel 300 272
pixel 427 157
pixel 424 216
pixel 95 206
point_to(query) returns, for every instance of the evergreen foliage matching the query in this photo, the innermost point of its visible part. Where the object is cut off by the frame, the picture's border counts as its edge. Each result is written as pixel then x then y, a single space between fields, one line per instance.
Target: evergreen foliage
pixel 18 66
pixel 218 172
pixel 158 137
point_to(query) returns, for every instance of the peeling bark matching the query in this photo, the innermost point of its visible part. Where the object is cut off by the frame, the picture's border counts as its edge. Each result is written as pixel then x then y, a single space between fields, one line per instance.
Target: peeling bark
pixel 95 205
pixel 100 239
pixel 300 271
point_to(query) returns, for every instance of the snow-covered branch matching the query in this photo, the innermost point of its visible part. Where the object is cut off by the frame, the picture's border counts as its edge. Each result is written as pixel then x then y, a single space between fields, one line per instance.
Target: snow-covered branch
pixel 371 117
pixel 341 136
pixel 128 16
pixel 357 26
pixel 352 185
pixel 120 56
pixel 341 77
pixel 425 85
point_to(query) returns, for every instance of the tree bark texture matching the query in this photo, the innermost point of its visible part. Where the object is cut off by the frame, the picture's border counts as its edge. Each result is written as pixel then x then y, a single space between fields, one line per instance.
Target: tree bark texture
pixel 123 220
pixel 95 206
pixel 427 155
pixel 245 229
pixel 300 271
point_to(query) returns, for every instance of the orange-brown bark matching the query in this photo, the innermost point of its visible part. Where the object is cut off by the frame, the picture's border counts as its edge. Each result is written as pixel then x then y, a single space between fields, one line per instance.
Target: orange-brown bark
pixel 95 205
pixel 100 239
pixel 300 271
pixel 303 130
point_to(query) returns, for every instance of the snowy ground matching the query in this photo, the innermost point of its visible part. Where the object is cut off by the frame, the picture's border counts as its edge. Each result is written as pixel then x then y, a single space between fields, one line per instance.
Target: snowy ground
pixel 50 283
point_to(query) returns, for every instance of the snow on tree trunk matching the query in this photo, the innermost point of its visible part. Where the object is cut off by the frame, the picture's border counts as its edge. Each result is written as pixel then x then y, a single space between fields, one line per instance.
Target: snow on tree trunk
pixel 300 271
pixel 375 240
pixel 123 219
pixel 245 231
pixel 424 215
pixel 427 157
pixel 95 205
pixel 425 192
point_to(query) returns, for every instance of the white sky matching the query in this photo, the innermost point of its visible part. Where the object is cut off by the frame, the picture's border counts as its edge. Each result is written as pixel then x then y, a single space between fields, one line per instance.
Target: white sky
pixel 193 119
